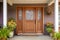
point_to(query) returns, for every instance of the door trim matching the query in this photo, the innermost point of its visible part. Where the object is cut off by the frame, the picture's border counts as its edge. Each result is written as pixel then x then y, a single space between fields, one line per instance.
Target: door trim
pixel 23 15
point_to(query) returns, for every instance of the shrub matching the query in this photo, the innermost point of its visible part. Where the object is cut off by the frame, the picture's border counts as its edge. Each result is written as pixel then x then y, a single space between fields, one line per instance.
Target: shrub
pixel 4 33
pixel 49 30
pixel 11 24
pixel 57 35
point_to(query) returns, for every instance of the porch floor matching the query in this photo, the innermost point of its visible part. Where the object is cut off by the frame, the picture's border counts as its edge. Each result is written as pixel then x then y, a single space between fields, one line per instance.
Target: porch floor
pixel 41 37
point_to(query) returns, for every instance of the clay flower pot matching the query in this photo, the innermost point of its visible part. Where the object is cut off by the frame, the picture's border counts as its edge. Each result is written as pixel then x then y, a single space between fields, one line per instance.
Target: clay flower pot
pixel 3 38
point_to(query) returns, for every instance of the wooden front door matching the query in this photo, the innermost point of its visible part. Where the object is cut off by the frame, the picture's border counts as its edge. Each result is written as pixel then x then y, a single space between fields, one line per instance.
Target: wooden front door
pixel 29 20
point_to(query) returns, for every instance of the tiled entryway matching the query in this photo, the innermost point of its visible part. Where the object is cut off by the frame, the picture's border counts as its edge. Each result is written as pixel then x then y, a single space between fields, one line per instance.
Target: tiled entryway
pixel 41 37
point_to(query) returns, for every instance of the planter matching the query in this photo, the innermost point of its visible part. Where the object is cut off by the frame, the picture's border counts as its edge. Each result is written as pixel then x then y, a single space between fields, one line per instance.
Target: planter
pixel 58 39
pixel 55 39
pixel 45 31
pixel 11 34
pixel 0 39
pixel 48 13
pixel 51 34
pixel 3 39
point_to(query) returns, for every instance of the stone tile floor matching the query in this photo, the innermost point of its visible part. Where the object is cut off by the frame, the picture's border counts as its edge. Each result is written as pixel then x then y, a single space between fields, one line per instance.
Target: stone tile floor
pixel 41 37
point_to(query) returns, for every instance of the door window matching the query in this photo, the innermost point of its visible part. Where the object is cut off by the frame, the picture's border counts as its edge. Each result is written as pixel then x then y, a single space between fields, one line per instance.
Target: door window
pixel 29 14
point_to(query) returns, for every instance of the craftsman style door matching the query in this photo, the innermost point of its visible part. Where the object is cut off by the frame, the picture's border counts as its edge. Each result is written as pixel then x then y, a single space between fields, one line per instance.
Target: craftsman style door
pixel 29 20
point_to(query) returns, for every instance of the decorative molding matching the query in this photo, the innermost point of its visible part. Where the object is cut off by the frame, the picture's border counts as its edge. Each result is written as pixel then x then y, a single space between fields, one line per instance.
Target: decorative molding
pixel 1 0
pixel 29 1
pixel 51 3
pixel 10 2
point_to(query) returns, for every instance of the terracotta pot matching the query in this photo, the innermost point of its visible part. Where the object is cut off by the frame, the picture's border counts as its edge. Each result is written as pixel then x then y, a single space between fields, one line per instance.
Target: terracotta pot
pixel 54 38
pixel 3 39
pixel 0 39
pixel 58 39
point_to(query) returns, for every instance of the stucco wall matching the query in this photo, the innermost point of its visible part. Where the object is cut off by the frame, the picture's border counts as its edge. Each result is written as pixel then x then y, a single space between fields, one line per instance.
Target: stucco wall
pixel 47 18
pixel 1 13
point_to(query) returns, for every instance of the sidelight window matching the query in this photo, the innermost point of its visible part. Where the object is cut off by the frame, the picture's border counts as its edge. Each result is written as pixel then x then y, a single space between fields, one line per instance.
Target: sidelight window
pixel 20 14
pixel 39 14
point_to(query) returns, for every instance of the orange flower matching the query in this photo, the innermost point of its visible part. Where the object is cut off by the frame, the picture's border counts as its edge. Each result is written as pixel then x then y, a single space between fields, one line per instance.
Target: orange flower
pixel 49 23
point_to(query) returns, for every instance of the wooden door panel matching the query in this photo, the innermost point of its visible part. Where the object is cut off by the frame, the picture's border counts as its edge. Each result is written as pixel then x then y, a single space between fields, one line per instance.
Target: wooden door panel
pixel 29 26
pixel 29 20
pixel 20 26
pixel 39 27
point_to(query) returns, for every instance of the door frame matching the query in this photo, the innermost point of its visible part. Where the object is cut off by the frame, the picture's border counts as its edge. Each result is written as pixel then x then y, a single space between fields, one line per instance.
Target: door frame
pixel 31 7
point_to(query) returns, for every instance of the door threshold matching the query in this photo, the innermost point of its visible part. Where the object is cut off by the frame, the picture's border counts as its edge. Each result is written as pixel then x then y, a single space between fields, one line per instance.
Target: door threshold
pixel 30 34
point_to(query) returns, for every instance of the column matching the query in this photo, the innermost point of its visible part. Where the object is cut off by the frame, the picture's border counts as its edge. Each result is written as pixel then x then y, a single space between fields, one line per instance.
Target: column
pixel 56 16
pixel 4 12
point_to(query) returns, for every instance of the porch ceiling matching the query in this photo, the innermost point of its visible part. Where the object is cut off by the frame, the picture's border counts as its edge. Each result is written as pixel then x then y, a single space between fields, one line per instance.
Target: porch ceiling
pixel 30 1
pixel 1 0
pixel 11 2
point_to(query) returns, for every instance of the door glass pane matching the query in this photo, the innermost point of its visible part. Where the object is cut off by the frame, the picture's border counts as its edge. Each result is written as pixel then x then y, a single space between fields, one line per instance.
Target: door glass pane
pixel 39 14
pixel 20 14
pixel 29 14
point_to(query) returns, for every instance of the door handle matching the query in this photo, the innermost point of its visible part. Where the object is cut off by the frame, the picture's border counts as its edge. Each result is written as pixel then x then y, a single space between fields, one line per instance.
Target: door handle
pixel 35 21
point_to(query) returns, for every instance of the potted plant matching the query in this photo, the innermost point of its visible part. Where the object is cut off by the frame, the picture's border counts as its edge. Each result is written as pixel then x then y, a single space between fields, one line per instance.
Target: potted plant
pixel 48 13
pixel 49 28
pixel 11 26
pixel 4 33
pixel 56 36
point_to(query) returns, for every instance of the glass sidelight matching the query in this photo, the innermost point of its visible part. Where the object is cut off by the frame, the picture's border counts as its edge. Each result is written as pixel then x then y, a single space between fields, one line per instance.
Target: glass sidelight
pixel 20 14
pixel 39 14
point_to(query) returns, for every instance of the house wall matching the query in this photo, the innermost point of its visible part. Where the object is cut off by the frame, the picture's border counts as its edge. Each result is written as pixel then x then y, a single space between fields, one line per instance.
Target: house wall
pixel 47 18
pixel 11 11
pixel 1 13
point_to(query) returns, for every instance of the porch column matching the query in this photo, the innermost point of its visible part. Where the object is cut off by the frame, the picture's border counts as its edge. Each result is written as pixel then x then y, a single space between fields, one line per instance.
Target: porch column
pixel 4 12
pixel 56 16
